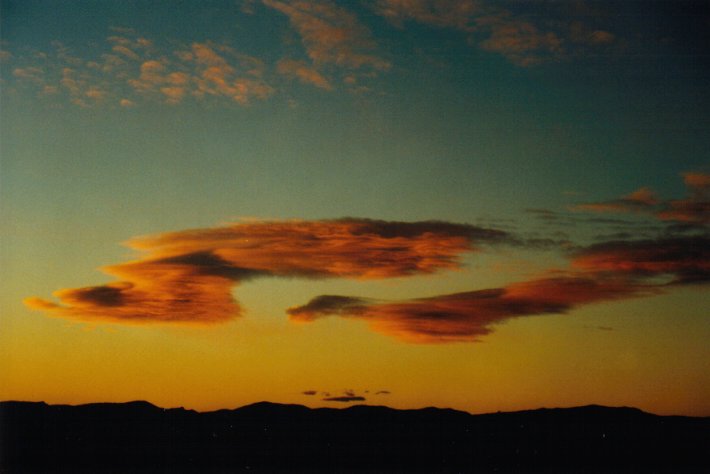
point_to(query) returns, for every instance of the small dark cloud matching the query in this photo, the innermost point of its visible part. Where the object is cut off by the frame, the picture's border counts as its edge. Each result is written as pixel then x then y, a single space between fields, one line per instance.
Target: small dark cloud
pixel 600 328
pixel 309 392
pixel 345 399
pixel 383 392
pixel 332 304
pixel 544 214
pixel 614 236
pixel 686 228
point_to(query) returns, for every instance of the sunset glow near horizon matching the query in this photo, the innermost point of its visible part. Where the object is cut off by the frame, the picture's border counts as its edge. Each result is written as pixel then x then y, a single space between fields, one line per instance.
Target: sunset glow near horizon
pixel 483 205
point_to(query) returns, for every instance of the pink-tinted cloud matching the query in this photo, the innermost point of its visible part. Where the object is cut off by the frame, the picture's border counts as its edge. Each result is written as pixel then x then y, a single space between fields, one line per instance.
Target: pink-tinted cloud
pixel 187 276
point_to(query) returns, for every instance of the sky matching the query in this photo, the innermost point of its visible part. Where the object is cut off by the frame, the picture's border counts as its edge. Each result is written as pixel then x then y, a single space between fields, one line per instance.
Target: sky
pixel 484 205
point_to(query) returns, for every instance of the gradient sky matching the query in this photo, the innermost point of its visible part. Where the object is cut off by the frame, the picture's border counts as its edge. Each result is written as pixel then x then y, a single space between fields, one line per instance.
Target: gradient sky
pixel 484 205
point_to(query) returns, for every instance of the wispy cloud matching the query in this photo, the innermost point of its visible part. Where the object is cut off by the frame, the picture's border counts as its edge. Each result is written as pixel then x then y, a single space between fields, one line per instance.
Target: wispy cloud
pixel 186 276
pixel 695 208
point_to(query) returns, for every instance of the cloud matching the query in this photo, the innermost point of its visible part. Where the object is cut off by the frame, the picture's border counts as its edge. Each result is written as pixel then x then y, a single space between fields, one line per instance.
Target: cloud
pixel 465 317
pixel 204 70
pixel 303 72
pixel 345 399
pixel 695 208
pixel 309 392
pixel 382 392
pixel 641 200
pixel 520 41
pixel 131 68
pixel 33 74
pixel 602 272
pixel 458 14
pixel 524 37
pixel 331 34
pixel 187 276
pixel 684 259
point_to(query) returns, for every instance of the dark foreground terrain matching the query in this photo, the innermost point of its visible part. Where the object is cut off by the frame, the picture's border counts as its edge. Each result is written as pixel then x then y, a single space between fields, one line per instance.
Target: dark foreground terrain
pixel 266 437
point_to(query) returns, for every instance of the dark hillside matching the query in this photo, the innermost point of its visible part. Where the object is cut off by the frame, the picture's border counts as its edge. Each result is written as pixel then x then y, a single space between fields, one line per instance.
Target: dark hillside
pixel 140 437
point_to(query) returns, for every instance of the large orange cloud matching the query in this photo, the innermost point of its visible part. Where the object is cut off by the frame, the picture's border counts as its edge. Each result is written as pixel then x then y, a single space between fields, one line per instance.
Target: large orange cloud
pixel 187 276
pixel 603 272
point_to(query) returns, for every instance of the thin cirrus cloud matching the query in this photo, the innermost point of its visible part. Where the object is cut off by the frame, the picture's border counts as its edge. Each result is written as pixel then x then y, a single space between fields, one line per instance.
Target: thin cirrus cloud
pixel 693 209
pixel 187 276
pixel 599 273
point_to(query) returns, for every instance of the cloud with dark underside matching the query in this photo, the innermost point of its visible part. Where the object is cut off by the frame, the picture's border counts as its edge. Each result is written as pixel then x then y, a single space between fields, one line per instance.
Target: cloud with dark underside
pixel 309 392
pixel 602 272
pixel 684 260
pixel 187 276
pixel 467 316
pixel 693 209
pixel 344 399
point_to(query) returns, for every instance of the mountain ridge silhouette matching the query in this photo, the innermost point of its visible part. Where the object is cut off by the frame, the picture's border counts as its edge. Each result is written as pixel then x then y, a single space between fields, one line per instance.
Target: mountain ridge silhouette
pixel 273 437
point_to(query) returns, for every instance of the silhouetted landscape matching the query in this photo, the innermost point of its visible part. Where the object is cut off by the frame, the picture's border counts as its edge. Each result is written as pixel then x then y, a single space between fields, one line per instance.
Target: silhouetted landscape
pixel 140 437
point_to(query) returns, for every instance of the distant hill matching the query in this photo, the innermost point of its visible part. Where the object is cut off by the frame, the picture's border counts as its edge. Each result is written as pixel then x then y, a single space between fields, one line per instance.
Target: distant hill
pixel 268 437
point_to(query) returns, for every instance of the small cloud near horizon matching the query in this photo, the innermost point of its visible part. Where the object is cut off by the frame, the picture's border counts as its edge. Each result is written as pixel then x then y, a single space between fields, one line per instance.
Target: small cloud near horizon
pixel 344 399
